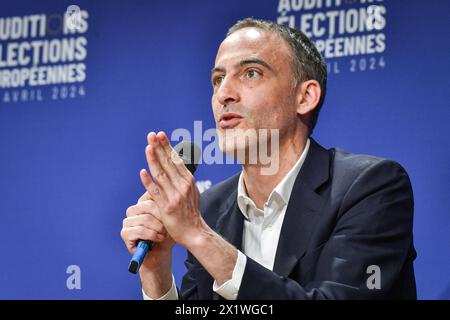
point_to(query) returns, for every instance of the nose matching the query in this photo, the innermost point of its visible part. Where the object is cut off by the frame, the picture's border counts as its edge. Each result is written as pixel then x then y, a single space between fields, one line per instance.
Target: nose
pixel 227 92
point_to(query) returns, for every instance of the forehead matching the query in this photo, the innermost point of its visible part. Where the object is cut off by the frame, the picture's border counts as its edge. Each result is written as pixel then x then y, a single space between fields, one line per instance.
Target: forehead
pixel 253 42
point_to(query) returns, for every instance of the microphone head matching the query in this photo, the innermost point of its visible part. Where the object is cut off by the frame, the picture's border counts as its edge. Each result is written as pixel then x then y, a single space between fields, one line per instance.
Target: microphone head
pixel 190 153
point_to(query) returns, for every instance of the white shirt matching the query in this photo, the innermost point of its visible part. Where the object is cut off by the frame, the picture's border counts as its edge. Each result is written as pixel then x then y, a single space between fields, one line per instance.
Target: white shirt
pixel 261 231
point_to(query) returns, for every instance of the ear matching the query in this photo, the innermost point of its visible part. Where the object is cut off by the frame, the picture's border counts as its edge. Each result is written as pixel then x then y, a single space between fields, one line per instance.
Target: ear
pixel 308 97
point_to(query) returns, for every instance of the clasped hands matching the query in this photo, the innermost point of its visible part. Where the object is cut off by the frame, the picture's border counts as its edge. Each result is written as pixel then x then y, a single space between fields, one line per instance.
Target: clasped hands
pixel 168 212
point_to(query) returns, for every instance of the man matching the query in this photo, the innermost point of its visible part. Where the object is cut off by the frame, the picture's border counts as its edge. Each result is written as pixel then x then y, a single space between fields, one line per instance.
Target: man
pixel 326 225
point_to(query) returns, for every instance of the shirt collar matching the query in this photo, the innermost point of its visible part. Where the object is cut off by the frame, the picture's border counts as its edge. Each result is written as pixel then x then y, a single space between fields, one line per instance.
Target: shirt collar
pixel 282 191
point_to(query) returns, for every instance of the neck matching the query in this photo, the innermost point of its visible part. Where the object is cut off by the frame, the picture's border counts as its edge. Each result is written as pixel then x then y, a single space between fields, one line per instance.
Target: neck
pixel 260 186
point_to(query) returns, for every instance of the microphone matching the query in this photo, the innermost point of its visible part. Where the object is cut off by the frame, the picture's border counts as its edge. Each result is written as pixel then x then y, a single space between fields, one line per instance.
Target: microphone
pixel 190 154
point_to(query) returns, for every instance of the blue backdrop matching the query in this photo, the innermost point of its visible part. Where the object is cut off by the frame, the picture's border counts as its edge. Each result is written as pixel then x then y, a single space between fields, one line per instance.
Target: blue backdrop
pixel 72 146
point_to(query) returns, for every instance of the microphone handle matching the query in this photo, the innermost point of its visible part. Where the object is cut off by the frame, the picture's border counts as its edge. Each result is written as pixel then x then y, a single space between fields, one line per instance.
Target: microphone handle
pixel 142 248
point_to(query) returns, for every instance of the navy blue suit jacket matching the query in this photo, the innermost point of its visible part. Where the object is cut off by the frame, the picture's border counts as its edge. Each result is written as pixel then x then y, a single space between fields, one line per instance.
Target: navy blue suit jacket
pixel 346 213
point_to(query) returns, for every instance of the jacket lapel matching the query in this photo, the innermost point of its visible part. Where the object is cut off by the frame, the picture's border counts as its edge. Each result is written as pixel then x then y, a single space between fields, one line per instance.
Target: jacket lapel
pixel 303 209
pixel 230 226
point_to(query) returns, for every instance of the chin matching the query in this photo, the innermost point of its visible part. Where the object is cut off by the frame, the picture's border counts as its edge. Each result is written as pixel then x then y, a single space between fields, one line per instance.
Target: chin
pixel 236 143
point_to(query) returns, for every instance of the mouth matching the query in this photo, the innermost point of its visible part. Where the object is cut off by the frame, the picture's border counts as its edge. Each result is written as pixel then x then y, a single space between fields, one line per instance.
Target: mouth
pixel 229 120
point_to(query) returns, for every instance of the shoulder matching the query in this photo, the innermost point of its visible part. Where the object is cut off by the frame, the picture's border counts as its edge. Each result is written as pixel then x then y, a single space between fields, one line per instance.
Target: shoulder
pixel 349 167
pixel 359 176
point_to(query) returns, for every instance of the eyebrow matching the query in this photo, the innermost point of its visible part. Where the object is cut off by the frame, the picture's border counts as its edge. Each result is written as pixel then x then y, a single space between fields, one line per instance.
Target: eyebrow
pixel 243 63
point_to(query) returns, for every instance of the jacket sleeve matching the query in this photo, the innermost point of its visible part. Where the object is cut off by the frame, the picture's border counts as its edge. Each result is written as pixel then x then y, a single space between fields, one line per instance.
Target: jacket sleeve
pixel 189 286
pixel 373 230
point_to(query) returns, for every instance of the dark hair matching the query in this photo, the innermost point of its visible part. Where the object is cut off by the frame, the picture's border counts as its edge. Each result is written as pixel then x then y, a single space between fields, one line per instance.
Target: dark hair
pixel 308 62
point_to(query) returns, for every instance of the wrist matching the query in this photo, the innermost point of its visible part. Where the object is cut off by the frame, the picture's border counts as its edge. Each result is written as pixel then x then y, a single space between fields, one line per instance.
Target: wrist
pixel 155 283
pixel 214 253
pixel 157 260
pixel 198 238
pixel 153 291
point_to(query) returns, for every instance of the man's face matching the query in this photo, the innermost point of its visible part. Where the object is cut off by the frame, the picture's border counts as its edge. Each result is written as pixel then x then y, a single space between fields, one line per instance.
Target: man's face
pixel 253 86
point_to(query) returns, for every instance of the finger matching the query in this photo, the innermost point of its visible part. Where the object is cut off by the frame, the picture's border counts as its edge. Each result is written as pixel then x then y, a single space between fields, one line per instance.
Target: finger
pixel 149 185
pixel 160 177
pixel 146 181
pixel 146 196
pixel 133 234
pixel 177 162
pixel 145 220
pixel 142 208
pixel 165 159
pixel 145 178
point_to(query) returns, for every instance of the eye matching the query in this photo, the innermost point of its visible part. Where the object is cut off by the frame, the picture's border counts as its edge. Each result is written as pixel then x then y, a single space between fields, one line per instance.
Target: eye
pixel 252 74
pixel 216 81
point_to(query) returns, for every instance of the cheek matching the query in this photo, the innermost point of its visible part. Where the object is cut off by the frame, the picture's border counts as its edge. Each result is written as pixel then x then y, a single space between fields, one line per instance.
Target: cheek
pixel 275 120
pixel 215 108
pixel 259 108
pixel 285 113
pixel 275 117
